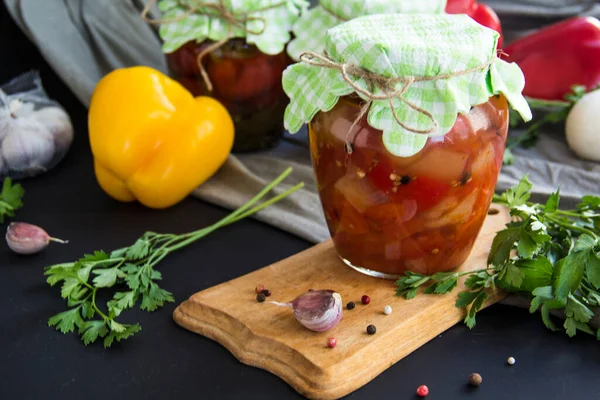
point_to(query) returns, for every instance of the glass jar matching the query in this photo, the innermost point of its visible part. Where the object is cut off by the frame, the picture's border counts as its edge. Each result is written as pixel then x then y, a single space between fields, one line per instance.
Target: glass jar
pixel 389 214
pixel 245 80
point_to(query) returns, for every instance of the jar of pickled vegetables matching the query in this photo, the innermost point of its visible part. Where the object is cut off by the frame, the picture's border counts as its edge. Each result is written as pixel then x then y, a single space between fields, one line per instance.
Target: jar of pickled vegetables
pixel 408 117
pixel 234 51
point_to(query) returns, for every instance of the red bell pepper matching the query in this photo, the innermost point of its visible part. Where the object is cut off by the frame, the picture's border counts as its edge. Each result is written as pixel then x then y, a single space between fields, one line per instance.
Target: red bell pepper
pixel 557 57
pixel 481 13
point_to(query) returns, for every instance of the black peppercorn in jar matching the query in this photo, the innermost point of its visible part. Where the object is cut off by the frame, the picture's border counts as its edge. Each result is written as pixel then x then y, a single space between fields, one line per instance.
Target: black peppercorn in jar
pixel 234 53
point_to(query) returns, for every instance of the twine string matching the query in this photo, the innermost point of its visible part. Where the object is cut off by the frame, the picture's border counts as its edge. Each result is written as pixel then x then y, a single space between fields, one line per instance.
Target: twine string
pixel 238 20
pixel 386 85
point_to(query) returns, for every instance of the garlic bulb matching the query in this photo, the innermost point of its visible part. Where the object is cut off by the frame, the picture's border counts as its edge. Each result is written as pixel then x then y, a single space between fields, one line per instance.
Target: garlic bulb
pixel 35 132
pixel 581 127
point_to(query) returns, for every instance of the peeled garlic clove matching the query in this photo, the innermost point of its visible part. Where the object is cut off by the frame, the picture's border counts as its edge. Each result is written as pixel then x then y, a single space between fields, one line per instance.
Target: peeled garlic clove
pixel 317 310
pixel 24 238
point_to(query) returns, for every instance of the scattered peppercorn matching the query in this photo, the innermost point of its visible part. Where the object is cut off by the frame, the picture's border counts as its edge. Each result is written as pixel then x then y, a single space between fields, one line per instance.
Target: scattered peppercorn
pixel 266 292
pixel 371 329
pixel 405 180
pixel 422 391
pixel 365 299
pixel 259 289
pixel 331 342
pixel 511 361
pixel 350 306
pixel 475 379
pixel 260 297
pixel 311 290
pixel 387 310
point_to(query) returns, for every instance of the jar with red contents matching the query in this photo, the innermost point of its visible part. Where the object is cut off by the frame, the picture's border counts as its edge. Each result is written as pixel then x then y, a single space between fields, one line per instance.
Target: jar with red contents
pixel 406 166
pixel 234 53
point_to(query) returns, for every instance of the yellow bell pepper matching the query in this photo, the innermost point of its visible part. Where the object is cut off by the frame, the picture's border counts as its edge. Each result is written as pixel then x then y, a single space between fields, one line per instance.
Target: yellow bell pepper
pixel 153 141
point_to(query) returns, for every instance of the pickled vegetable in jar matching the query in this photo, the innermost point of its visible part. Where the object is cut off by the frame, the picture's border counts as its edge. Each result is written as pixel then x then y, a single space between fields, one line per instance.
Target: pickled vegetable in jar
pixel 408 117
pixel 234 51
pixel 309 31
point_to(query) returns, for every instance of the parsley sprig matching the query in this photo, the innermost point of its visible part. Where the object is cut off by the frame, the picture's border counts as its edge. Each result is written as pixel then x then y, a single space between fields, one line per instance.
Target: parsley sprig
pixel 547 254
pixel 10 199
pixel 130 272
pixel 555 112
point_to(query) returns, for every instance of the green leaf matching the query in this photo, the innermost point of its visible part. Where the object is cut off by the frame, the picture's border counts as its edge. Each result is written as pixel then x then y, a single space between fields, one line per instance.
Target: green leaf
pixel 107 277
pixel 578 310
pixel 92 330
pixel 503 244
pixel 589 202
pixel 553 202
pixel 475 307
pixel 69 285
pixel 536 273
pixel 465 298
pixel 513 276
pixel 526 247
pixel 445 286
pixel 519 194
pixel 128 331
pixel 584 243
pixel 568 273
pixel 572 326
pixel 138 250
pixel 83 273
pixel 411 293
pixel 124 300
pixel 10 199
pixel 592 270
pixel 87 310
pixel 66 321
pixel 546 318
pixel 97 256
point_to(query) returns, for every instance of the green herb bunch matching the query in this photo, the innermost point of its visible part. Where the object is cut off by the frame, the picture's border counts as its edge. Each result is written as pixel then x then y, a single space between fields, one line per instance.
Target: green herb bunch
pixel 131 272
pixel 549 255
pixel 11 197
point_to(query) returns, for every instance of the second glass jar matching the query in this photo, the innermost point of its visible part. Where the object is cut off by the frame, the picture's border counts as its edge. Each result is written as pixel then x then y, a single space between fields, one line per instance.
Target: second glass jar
pixel 245 80
pixel 389 214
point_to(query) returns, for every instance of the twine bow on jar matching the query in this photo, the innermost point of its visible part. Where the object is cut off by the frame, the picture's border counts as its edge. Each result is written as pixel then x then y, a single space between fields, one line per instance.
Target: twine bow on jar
pixel 221 11
pixel 386 85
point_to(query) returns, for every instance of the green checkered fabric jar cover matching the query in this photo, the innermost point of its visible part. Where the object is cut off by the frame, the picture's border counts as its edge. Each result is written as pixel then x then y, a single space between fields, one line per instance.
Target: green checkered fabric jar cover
pixel 274 24
pixel 404 45
pixel 309 31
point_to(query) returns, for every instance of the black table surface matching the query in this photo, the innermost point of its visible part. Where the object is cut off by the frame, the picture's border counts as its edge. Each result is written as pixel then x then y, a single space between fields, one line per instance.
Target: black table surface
pixel 166 361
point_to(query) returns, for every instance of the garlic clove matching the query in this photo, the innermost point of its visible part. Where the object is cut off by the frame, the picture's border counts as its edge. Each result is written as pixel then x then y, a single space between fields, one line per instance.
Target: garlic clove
pixel 317 310
pixel 28 147
pixel 58 124
pixel 24 238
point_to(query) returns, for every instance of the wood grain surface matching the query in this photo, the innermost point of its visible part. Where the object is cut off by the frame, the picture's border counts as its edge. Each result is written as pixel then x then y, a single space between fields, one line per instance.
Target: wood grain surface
pixel 267 336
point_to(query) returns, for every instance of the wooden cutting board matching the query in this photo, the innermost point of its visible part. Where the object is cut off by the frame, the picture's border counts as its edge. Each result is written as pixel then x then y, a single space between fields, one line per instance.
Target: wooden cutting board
pixel 267 336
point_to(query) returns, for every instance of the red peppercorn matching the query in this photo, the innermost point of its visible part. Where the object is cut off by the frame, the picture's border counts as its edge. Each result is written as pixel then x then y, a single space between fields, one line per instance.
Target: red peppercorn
pixel 331 342
pixel 365 299
pixel 259 289
pixel 422 391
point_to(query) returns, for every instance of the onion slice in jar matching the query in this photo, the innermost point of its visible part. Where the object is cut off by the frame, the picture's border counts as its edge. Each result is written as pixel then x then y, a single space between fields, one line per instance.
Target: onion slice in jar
pixel 458 215
pixel 360 193
pixel 441 164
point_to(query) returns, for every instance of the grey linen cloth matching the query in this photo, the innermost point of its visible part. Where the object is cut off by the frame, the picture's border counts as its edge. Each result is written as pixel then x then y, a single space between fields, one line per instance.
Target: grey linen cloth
pixel 85 39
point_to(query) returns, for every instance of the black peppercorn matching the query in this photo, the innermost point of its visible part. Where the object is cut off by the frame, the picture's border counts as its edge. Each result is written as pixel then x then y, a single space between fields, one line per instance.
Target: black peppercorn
pixel 266 292
pixel 371 329
pixel 405 180
pixel 350 306
pixel 311 290
pixel 260 297
pixel 464 178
